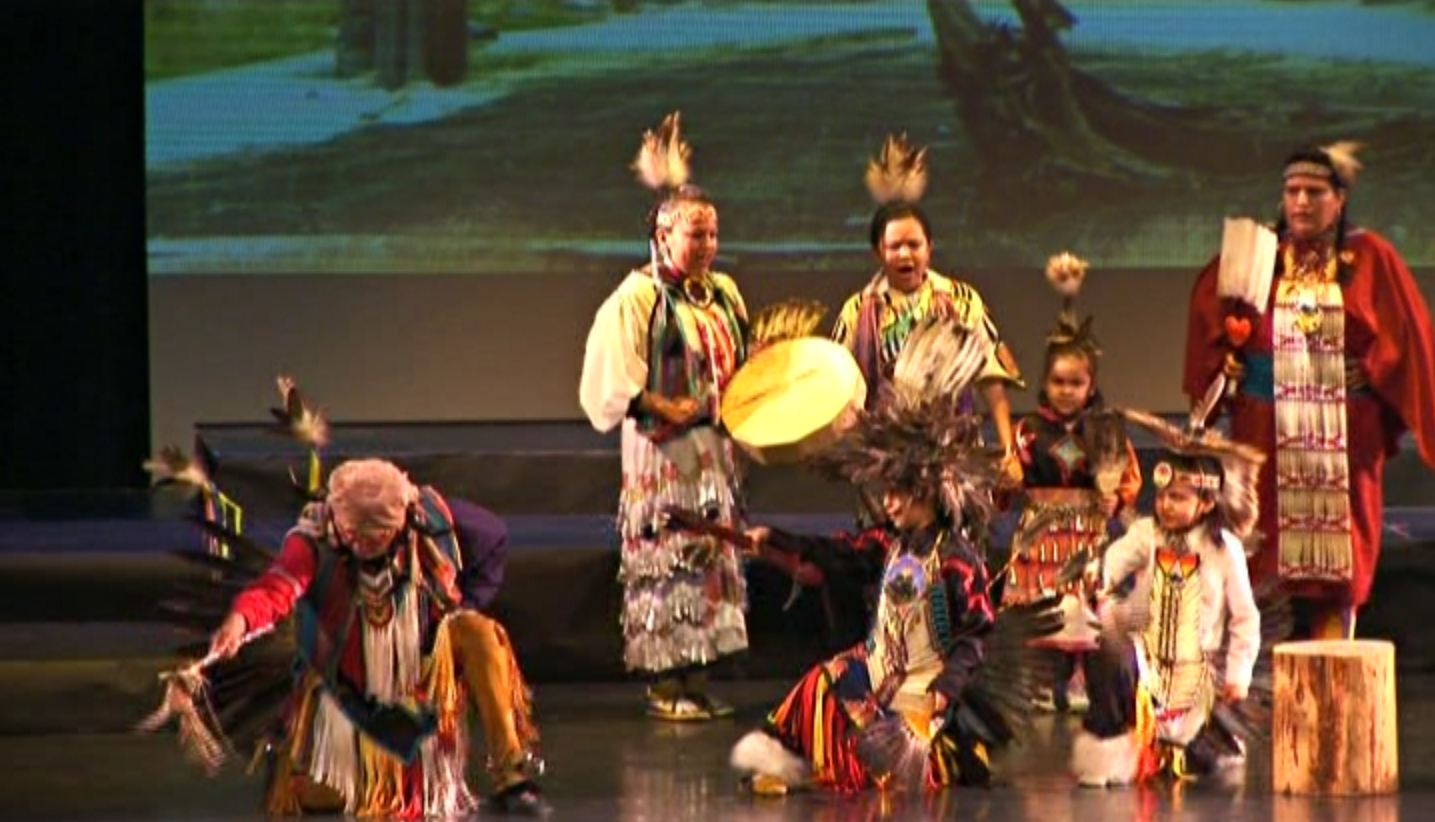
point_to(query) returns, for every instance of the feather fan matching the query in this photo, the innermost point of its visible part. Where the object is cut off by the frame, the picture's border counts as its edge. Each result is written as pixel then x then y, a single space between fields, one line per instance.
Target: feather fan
pixel 228 707
pixel 1104 439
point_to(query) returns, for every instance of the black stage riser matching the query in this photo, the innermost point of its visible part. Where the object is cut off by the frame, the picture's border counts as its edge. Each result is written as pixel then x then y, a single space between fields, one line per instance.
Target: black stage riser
pixel 561 607
pixel 565 469
pixel 559 484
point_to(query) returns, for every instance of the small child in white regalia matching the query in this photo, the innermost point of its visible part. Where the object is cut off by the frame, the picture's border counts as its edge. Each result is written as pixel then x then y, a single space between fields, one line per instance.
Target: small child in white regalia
pixel 1180 628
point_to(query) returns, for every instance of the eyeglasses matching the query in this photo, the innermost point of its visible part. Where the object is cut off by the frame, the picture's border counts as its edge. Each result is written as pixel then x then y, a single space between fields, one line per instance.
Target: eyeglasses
pixel 366 541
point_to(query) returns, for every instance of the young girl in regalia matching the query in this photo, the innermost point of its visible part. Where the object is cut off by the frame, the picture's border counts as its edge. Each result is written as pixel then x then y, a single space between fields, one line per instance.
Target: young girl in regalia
pixel 1079 473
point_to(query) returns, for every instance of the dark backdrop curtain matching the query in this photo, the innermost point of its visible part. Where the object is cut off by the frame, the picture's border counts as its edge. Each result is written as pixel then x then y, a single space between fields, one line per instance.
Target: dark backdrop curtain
pixel 74 384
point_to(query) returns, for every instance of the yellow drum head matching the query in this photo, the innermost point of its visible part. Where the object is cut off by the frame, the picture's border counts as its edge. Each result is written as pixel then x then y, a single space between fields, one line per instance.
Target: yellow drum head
pixel 793 398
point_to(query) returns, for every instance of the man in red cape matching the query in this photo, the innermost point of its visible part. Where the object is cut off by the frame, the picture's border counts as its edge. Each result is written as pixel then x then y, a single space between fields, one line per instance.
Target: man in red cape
pixel 1336 366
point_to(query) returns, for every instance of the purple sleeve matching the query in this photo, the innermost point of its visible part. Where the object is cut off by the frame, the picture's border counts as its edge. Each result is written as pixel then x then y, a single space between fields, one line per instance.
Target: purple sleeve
pixel 483 544
pixel 859 556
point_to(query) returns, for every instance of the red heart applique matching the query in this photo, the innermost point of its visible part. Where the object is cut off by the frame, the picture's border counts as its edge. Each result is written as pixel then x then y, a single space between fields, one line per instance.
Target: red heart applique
pixel 1238 330
pixel 1178 564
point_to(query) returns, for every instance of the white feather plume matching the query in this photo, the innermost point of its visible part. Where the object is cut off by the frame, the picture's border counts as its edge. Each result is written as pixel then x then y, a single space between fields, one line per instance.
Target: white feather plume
pixel 1066 272
pixel 307 425
pixel 662 161
pixel 1342 156
pixel 898 172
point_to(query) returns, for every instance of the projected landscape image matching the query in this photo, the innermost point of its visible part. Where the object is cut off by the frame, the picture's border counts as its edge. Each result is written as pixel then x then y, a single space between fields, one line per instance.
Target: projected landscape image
pixel 444 136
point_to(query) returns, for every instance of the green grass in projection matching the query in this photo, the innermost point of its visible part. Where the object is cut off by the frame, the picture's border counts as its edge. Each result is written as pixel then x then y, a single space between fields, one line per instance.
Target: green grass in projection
pixel 185 37
pixel 1124 130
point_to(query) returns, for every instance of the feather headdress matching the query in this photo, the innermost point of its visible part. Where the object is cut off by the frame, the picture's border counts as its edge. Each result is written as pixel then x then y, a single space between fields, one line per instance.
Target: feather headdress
pixel 898 173
pixel 1342 156
pixel 296 418
pixel 1236 497
pixel 1066 273
pixel 662 161
pixel 306 426
pixel 371 494
pixel 662 166
pixel 1343 166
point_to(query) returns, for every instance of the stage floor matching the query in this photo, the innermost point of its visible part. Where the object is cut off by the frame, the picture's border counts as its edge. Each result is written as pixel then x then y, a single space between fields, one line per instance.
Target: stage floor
pixel 79 647
pixel 606 761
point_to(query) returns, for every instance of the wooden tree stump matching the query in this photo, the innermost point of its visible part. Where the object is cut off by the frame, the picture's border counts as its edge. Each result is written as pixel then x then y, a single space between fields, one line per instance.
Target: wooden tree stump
pixel 1334 728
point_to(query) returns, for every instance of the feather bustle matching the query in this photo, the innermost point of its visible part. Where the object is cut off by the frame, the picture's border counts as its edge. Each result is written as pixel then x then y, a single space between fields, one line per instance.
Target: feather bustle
pixel 787 320
pixel 939 360
pixel 171 466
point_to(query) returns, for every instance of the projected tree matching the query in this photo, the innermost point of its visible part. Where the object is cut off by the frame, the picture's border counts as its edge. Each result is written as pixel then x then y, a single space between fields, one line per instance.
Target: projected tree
pixel 403 40
pixel 1035 119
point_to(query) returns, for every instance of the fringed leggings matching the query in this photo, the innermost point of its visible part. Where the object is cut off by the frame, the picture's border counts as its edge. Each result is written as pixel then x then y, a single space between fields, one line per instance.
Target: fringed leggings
pixel 813 723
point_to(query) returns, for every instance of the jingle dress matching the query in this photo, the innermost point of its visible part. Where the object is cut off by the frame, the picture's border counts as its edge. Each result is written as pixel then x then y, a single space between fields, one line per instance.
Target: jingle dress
pixel 683 595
